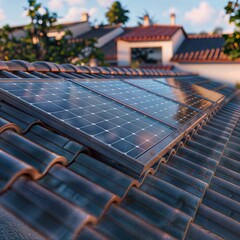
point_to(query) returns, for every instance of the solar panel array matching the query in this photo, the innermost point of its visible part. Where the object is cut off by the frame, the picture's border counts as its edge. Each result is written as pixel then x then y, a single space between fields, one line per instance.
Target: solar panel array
pixel 188 84
pixel 156 106
pixel 126 117
pixel 114 124
pixel 172 93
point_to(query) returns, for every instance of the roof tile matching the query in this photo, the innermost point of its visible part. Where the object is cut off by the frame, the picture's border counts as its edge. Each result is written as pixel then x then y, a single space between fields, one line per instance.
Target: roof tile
pixel 197 181
pixel 150 33
pixel 202 48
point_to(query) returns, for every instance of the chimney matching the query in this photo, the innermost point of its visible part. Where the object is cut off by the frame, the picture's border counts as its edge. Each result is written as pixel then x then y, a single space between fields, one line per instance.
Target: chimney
pixel 172 19
pixel 146 21
pixel 85 17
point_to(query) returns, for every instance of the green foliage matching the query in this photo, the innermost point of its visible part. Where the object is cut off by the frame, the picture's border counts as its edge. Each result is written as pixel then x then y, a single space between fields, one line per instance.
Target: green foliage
pixel 218 30
pixel 232 41
pixel 152 19
pixel 36 45
pixel 116 14
pixel 237 86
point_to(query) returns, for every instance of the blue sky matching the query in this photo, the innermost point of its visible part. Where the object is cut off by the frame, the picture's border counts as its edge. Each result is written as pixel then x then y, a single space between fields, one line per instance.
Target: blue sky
pixel 194 15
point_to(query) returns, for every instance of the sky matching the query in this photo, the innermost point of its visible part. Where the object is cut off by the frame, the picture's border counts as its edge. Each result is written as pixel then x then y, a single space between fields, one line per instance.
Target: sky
pixel 194 15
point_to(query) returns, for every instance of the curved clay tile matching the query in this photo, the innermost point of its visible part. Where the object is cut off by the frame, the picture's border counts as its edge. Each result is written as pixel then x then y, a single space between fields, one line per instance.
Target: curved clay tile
pixel 29 152
pixel 5 125
pixel 44 211
pixel 3 66
pixel 111 179
pixel 27 65
pixel 11 169
pixel 52 67
pixel 89 196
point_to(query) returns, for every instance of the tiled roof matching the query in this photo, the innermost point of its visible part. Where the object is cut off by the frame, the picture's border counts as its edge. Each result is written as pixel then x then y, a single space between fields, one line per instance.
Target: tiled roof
pixel 110 49
pixel 22 69
pixel 96 32
pixel 53 187
pixel 65 25
pixel 150 33
pixel 202 49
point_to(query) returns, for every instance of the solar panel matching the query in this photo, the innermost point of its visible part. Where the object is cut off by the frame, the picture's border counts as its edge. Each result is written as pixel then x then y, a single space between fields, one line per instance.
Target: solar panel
pixel 165 110
pixel 192 88
pixel 172 93
pixel 106 121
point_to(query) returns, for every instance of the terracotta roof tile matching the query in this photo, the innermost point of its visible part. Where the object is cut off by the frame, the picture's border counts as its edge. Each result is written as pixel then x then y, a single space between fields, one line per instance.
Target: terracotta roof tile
pixel 195 186
pixel 208 46
pixel 150 33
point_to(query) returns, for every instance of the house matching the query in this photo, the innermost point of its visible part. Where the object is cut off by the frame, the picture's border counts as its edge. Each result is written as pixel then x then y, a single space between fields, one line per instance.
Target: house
pixel 203 54
pixel 76 28
pixel 117 153
pixel 155 46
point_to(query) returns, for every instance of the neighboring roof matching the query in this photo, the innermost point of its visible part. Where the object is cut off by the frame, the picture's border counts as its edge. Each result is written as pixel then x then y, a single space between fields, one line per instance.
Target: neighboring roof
pixel 150 33
pixel 54 187
pixel 67 24
pixel 96 32
pixel 110 49
pixel 202 49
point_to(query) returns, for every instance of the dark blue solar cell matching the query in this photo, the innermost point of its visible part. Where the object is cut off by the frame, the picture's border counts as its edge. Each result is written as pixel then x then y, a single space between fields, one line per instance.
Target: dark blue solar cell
pixel 64 115
pixel 106 124
pixel 123 146
pixel 78 122
pixel 92 129
pixel 48 107
pixel 108 137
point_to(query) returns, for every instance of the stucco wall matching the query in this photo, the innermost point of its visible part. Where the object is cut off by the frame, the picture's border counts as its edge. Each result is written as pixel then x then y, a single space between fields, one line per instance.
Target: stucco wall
pixel 168 48
pixel 124 50
pixel 177 40
pixel 227 73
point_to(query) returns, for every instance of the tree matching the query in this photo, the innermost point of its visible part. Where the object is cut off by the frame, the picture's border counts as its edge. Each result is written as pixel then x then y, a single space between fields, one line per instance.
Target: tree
pixel 218 30
pixel 232 41
pixel 41 22
pixel 37 45
pixel 116 14
pixel 145 14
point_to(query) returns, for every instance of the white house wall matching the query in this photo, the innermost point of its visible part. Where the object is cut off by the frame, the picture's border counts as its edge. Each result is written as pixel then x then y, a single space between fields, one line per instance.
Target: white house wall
pixel 109 36
pixel 124 50
pixel 177 40
pixel 227 73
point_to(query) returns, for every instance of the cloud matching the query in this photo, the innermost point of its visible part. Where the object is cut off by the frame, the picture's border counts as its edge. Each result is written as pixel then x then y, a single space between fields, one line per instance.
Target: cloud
pixel 24 13
pixel 169 11
pixel 55 4
pixel 59 4
pixel 74 14
pixel 76 2
pixel 205 17
pixel 222 20
pixel 42 10
pixel 200 15
pixel 105 3
pixel 2 15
